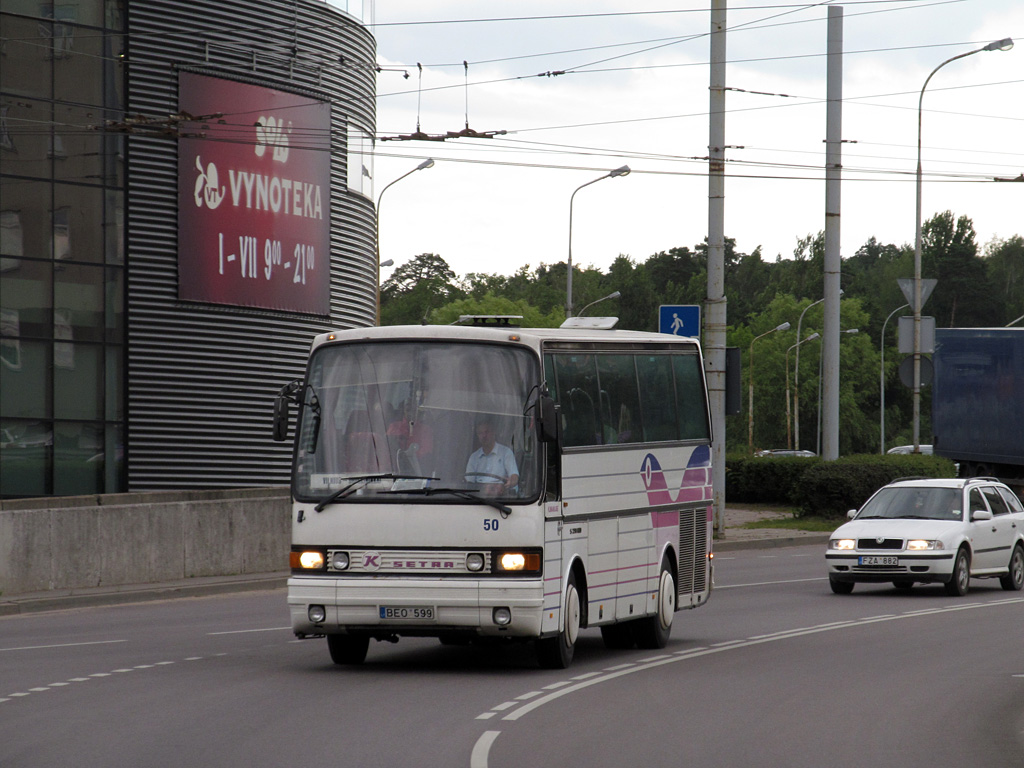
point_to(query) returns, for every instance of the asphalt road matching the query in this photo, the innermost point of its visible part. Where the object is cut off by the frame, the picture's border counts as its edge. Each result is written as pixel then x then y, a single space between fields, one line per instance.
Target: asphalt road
pixel 774 671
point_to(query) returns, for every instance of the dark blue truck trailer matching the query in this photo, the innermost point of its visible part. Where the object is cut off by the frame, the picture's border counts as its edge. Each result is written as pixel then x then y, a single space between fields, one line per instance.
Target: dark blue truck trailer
pixel 978 400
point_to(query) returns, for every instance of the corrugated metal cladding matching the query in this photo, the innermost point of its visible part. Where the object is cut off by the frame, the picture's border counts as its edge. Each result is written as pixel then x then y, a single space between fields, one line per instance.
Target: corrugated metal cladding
pixel 201 378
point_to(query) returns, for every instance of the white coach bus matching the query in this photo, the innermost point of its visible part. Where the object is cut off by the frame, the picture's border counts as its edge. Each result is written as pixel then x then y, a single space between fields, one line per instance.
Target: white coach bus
pixel 490 481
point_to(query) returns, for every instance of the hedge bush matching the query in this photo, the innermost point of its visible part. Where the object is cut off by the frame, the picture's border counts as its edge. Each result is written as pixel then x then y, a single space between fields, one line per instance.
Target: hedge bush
pixel 823 488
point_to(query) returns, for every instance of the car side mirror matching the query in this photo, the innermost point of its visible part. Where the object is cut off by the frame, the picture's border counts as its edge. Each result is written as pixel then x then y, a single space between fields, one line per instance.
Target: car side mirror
pixel 980 515
pixel 851 514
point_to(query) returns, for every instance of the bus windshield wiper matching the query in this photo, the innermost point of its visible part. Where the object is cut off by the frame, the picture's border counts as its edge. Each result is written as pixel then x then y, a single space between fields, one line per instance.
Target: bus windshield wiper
pixel 463 493
pixel 357 481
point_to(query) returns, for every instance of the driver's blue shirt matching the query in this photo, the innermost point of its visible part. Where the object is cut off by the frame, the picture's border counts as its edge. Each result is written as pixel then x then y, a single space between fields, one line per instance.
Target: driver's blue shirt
pixel 494 467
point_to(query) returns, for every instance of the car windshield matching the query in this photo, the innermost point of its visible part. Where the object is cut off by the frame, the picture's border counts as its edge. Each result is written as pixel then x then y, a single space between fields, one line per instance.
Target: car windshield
pixel 436 421
pixel 914 503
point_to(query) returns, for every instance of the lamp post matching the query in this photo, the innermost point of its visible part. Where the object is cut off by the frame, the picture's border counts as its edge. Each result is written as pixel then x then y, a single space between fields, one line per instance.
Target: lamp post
pixel 881 378
pixel 623 171
pixel 796 375
pixel 999 45
pixel 820 356
pixel 750 365
pixel 428 163
pixel 789 432
pixel 613 295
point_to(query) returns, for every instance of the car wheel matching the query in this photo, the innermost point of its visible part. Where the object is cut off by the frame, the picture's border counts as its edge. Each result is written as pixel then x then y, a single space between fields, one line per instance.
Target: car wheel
pixel 903 584
pixel 840 587
pixel 348 649
pixel 960 579
pixel 1014 580
pixel 557 652
pixel 652 631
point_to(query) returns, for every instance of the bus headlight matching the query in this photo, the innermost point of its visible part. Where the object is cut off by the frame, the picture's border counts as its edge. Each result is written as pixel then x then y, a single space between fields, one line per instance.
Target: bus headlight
pixel 317 614
pixel 502 616
pixel 474 561
pixel 519 562
pixel 339 561
pixel 307 560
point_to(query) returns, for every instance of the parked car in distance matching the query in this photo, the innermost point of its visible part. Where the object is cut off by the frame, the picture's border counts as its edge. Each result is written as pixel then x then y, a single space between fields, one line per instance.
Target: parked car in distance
pixel 926 449
pixel 784 452
pixel 924 530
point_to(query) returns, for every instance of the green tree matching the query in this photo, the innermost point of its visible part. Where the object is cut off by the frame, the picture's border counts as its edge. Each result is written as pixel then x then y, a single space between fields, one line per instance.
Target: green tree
pixel 489 304
pixel 949 253
pixel 415 288
pixel 1004 260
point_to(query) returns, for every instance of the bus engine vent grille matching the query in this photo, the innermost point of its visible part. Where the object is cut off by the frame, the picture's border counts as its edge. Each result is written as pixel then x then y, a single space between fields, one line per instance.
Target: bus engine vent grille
pixel 693 542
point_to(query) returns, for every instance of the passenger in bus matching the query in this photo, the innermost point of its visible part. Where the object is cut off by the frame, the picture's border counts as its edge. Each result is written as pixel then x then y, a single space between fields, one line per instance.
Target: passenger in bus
pixel 493 465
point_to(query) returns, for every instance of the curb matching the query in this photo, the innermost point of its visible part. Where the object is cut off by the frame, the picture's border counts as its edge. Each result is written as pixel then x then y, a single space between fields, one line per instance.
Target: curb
pixel 99 596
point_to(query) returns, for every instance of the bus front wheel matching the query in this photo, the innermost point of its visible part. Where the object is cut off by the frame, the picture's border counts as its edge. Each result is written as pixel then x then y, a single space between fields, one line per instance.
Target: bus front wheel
pixel 348 649
pixel 653 631
pixel 557 652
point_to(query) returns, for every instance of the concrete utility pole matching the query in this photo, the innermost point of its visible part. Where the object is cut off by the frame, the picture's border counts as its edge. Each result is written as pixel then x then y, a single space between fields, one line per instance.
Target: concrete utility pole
pixel 833 258
pixel 715 311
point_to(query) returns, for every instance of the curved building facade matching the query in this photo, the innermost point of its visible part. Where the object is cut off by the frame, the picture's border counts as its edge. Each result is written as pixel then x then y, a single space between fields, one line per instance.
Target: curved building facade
pixel 186 200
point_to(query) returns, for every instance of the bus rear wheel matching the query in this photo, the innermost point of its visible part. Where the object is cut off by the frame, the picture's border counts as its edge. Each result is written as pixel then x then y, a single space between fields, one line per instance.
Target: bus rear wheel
pixel 653 631
pixel 557 652
pixel 348 649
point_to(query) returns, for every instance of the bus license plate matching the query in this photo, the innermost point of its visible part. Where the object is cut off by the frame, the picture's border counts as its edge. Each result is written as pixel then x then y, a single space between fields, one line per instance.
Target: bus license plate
pixel 406 613
pixel 879 560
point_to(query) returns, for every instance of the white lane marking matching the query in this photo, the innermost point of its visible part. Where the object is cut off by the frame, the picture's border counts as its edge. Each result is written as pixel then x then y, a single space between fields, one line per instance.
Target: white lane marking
pixel 559 684
pixel 62 645
pixel 504 705
pixel 248 631
pixel 529 695
pixel 478 758
pixel 585 681
pixel 38 690
pixel 769 583
pixel 58 685
pixel 486 716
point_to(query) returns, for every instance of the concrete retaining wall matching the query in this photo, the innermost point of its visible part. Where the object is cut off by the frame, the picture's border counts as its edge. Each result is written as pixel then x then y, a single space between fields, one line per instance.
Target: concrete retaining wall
pixel 141 538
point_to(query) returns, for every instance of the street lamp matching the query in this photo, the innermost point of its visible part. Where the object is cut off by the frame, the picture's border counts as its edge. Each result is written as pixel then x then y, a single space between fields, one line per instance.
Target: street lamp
pixel 789 432
pixel 999 45
pixel 881 377
pixel 613 295
pixel 428 163
pixel 623 171
pixel 796 375
pixel 750 365
pixel 820 356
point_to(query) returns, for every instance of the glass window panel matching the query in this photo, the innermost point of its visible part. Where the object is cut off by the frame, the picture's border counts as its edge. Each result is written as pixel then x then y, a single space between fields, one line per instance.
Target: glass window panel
pixel 690 398
pixel 25 298
pixel 77 458
pixel 26 57
pixel 77 209
pixel 78 291
pixel 78 63
pixel 114 385
pixel 620 401
pixel 77 380
pixel 114 311
pixel 31 202
pixel 25 452
pixel 75 146
pixel 25 136
pixel 113 225
pixel 113 460
pixel 657 397
pixel 25 378
pixel 578 395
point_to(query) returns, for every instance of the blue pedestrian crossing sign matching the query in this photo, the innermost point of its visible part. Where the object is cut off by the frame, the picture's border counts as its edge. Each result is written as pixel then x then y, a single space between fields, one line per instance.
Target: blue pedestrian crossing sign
pixel 679 319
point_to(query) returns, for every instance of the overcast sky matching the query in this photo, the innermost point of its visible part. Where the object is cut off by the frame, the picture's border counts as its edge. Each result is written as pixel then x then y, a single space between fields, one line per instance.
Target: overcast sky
pixel 635 92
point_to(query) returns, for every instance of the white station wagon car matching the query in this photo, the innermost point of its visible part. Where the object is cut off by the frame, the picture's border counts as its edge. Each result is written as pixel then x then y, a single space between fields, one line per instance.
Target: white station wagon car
pixel 927 530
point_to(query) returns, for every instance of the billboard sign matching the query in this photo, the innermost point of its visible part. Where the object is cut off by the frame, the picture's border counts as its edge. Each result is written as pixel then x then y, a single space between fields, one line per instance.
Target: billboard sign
pixel 253 196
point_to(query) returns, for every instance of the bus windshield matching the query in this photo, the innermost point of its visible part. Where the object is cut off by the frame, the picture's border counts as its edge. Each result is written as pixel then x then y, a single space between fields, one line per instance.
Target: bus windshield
pixel 445 422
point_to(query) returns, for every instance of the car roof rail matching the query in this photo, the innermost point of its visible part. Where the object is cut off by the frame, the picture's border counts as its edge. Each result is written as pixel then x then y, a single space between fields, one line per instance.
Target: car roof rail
pixel 984 479
pixel 913 477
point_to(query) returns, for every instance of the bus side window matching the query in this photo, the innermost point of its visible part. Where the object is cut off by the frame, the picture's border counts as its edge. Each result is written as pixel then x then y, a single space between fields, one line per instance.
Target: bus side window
pixel 579 397
pixel 657 398
pixel 690 398
pixel 619 398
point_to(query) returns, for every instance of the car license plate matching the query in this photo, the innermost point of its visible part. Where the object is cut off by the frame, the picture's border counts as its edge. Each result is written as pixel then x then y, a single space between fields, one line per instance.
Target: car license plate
pixel 406 613
pixel 879 560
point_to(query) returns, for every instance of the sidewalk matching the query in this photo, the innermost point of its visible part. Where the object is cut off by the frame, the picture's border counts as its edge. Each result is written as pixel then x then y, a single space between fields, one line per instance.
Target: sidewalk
pixel 736 538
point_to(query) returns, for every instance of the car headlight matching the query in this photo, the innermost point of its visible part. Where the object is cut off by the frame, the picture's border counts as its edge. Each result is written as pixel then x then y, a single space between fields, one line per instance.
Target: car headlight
pixel 921 544
pixel 842 544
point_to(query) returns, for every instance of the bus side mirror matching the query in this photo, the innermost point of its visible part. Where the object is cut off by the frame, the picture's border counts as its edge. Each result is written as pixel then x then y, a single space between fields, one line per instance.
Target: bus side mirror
pixel 547 425
pixel 286 395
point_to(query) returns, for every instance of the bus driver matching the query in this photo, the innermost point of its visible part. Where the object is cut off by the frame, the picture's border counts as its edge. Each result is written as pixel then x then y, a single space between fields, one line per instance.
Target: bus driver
pixel 493 465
